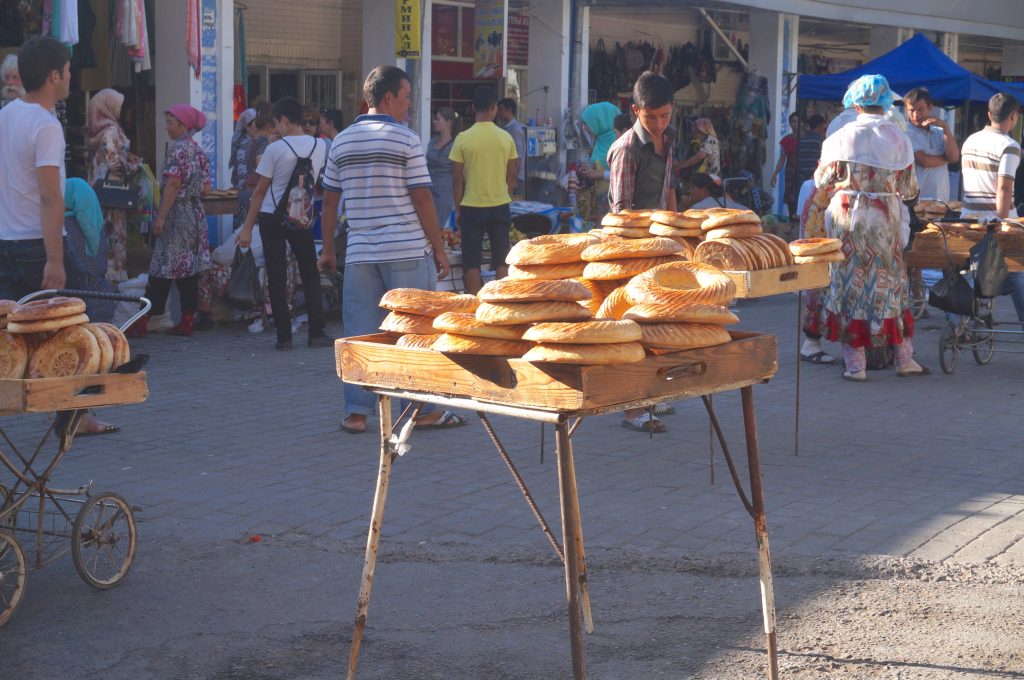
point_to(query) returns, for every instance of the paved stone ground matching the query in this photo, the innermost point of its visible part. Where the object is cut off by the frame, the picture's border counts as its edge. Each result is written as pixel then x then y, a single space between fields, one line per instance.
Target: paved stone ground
pixel 239 440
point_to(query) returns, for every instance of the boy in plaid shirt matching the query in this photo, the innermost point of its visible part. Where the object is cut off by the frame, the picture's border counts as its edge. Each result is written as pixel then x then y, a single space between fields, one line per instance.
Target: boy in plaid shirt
pixel 640 178
pixel 640 161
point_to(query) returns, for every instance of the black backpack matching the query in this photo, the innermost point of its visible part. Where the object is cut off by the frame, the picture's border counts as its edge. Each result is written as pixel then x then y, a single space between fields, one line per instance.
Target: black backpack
pixel 295 208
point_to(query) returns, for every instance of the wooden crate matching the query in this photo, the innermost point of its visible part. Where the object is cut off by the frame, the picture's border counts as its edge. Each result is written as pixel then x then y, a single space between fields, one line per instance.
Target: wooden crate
pixel 374 361
pixel 764 282
pixel 64 394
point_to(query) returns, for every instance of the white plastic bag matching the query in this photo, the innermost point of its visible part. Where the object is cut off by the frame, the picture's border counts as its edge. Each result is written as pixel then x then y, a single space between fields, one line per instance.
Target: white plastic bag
pixel 224 254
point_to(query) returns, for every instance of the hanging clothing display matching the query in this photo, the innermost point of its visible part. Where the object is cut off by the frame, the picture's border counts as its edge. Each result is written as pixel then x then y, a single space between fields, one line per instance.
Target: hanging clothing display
pixel 130 28
pixel 193 26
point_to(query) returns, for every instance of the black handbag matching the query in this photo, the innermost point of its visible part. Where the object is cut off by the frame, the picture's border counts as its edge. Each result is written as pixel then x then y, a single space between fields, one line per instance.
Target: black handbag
pixel 244 289
pixel 988 265
pixel 117 195
pixel 953 293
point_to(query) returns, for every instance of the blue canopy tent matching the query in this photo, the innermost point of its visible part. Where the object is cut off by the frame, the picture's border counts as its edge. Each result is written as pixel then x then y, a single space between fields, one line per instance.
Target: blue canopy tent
pixel 915 63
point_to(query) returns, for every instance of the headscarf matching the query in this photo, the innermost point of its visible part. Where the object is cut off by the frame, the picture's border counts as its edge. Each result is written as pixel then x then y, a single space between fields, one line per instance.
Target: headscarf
pixel 81 203
pixel 243 121
pixel 600 118
pixel 871 140
pixel 104 111
pixel 705 126
pixel 189 116
pixel 872 90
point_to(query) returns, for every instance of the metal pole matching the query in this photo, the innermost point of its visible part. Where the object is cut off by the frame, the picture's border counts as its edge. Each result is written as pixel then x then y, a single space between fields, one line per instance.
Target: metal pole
pixel 799 329
pixel 567 496
pixel 764 561
pixel 380 497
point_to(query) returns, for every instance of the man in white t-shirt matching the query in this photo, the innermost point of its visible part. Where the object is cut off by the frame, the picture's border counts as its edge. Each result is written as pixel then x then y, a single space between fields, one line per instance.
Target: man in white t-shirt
pixel 275 170
pixel 934 145
pixel 990 160
pixel 32 173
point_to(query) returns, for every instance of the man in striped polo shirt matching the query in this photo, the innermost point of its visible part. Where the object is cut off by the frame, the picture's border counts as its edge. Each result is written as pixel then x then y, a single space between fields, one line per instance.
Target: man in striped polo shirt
pixel 990 159
pixel 377 172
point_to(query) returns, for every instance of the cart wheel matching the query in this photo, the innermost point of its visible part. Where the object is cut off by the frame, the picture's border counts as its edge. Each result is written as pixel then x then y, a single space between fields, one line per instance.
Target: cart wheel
pixel 5 500
pixel 949 349
pixel 12 576
pixel 103 540
pixel 918 294
pixel 984 341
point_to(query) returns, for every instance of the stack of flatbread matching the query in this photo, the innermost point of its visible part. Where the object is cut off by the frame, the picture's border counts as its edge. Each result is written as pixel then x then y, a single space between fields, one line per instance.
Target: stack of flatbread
pixel 52 338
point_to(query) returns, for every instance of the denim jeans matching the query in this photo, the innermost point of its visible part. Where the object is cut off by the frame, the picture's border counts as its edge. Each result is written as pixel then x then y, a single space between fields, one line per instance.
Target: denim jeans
pixel 474 224
pixel 21 267
pixel 365 284
pixel 1014 287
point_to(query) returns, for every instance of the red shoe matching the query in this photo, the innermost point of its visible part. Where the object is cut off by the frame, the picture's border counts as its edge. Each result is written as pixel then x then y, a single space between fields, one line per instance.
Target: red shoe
pixel 185 326
pixel 139 329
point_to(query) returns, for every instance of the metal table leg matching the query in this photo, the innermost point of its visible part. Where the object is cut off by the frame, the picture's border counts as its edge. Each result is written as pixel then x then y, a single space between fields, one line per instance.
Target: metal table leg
pixel 380 497
pixel 764 561
pixel 570 539
pixel 588 619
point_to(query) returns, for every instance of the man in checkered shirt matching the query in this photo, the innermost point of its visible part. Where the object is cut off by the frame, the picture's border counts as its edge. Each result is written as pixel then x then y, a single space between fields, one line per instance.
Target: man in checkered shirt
pixel 640 178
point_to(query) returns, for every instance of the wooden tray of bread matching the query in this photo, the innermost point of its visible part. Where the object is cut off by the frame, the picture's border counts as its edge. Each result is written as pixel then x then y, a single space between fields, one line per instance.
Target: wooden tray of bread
pixel 375 361
pixel 929 249
pixel 764 282
pixel 35 395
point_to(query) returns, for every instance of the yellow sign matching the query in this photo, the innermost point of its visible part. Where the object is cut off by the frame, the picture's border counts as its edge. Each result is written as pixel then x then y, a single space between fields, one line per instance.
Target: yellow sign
pixel 407 29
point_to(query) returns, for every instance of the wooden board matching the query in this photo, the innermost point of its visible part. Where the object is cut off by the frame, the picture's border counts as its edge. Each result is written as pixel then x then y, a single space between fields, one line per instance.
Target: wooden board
pixel 374 361
pixel 220 205
pixel 928 249
pixel 765 282
pixel 64 394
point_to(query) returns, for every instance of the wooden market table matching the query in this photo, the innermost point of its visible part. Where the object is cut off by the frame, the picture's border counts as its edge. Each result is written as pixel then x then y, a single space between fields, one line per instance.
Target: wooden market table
pixel 562 395
pixel 929 249
pixel 220 204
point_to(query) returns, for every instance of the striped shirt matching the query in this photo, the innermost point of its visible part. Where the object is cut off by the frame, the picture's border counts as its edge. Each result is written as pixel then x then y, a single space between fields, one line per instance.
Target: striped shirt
pixel 987 155
pixel 373 164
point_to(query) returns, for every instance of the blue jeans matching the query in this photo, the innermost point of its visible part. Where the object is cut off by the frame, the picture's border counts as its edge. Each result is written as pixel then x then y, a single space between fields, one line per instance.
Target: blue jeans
pixel 21 267
pixel 365 284
pixel 1014 287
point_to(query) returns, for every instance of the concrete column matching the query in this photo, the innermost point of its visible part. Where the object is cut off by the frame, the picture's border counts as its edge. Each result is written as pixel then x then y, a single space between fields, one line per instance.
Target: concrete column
pixel 211 93
pixel 887 38
pixel 379 33
pixel 773 54
pixel 550 40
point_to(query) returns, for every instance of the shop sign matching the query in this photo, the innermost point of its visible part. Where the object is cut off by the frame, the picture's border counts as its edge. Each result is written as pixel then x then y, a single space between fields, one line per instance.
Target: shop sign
pixel 407 29
pixel 489 34
pixel 518 40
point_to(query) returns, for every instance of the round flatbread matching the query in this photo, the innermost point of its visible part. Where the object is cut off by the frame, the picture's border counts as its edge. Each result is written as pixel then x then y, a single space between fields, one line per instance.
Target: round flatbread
pixel 46 325
pixel 13 356
pixel 106 348
pixel 71 351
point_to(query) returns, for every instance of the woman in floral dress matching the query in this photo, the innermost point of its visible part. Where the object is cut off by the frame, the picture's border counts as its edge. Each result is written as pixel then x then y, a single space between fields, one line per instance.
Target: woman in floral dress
pixel 180 237
pixel 869 165
pixel 109 159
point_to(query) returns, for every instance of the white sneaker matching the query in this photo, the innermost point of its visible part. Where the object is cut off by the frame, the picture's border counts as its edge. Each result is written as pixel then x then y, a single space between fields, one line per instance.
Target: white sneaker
pixel 256 326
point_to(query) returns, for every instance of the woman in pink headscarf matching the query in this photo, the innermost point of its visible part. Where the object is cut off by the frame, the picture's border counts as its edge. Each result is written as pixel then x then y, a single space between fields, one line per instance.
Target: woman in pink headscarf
pixel 110 160
pixel 180 236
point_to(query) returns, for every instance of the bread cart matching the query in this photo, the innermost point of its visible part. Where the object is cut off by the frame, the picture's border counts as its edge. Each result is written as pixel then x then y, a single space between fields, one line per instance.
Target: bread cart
pixel 947 244
pixel 97 528
pixel 562 395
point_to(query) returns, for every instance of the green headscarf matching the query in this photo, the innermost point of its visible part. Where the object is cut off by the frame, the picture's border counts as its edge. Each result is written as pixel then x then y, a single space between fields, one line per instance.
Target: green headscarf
pixel 600 118
pixel 81 203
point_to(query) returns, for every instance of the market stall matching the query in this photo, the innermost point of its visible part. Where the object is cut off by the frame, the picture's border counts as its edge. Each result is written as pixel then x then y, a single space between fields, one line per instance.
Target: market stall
pixel 618 319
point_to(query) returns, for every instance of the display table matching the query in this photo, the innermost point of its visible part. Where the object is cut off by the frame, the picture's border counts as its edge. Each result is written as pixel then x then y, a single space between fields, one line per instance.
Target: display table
pixel 929 248
pixel 220 204
pixel 562 395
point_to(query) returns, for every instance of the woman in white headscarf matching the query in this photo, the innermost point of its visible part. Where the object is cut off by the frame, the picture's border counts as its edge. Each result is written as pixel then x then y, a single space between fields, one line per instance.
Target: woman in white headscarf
pixel 870 165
